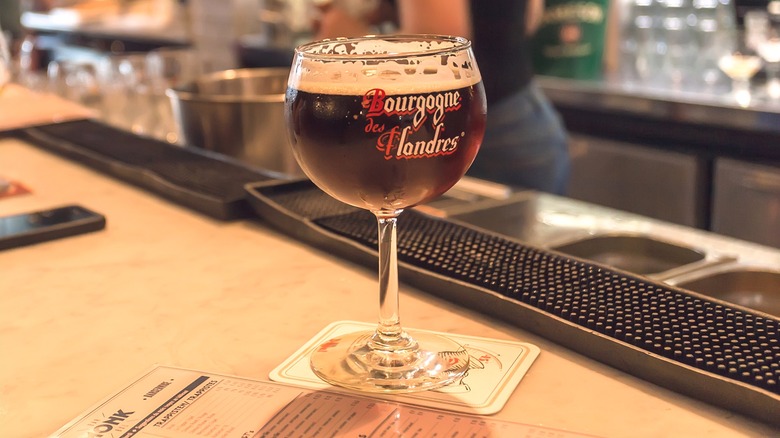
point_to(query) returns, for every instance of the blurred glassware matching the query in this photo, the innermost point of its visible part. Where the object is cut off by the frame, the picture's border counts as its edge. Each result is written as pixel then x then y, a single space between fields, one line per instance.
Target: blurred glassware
pixel 715 20
pixel 75 80
pixel 755 23
pixel 124 85
pixel 31 64
pixel 168 68
pixel 767 44
pixel 674 44
pixel 678 38
pixel 645 39
pixel 5 61
pixel 740 62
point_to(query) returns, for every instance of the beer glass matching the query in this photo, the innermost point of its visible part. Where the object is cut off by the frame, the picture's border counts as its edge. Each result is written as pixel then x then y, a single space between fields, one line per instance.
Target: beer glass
pixel 76 81
pixel 384 123
pixel 740 63
pixel 168 67
pixel 124 83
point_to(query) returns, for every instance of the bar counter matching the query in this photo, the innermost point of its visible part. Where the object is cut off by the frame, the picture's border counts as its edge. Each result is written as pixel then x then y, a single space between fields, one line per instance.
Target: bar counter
pixel 697 148
pixel 713 108
pixel 83 316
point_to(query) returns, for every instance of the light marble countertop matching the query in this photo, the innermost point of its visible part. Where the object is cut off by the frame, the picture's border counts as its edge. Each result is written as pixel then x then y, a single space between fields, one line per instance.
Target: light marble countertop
pixel 80 317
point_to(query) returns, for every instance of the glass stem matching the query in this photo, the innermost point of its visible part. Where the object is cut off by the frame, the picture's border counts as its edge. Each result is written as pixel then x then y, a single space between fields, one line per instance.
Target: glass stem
pixel 741 90
pixel 741 86
pixel 389 334
pixel 773 79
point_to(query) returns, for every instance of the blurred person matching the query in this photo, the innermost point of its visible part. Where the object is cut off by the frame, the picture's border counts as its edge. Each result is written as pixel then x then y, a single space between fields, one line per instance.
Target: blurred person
pixel 525 143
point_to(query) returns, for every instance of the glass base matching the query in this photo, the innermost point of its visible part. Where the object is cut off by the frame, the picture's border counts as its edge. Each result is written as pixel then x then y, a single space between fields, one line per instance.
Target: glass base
pixel 418 362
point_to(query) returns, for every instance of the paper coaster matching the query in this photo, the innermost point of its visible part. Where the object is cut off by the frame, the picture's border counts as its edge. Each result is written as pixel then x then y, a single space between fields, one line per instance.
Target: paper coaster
pixel 496 368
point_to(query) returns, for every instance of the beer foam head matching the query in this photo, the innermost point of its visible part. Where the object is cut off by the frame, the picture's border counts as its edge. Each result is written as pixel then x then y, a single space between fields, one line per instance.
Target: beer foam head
pixel 397 64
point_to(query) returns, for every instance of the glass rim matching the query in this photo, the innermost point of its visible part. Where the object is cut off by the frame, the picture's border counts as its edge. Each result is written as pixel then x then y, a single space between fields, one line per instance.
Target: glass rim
pixel 459 44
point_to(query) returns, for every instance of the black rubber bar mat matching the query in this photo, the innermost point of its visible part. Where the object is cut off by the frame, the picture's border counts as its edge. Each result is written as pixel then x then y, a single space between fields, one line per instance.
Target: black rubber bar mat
pixel 203 181
pixel 704 348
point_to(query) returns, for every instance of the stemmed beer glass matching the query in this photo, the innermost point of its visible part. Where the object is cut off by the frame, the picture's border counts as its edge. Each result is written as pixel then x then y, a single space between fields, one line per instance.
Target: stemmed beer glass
pixel 384 123
pixel 740 63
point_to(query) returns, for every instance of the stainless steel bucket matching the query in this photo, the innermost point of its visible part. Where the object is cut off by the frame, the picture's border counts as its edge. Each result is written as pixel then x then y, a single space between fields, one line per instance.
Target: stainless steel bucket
pixel 239 113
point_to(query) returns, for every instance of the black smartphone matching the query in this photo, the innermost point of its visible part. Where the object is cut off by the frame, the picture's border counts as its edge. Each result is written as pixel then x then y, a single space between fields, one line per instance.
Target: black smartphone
pixel 41 226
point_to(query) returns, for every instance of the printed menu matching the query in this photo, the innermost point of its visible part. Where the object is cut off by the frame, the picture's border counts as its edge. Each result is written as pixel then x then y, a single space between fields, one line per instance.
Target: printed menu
pixel 176 402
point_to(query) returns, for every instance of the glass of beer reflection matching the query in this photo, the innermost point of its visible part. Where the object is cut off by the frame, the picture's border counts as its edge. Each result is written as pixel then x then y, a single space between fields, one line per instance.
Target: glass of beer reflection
pixel 384 123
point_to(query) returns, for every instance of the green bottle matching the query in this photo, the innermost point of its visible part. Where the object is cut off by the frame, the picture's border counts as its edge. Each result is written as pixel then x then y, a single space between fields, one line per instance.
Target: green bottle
pixel 570 40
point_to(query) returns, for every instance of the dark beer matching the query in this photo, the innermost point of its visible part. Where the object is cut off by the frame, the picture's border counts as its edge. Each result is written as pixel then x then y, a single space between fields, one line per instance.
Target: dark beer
pixel 384 151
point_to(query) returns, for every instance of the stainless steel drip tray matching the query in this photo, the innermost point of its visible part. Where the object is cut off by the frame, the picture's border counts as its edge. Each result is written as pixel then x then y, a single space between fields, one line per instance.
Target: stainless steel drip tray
pixel 608 238
pixel 629 242
pixel 747 285
pixel 518 218
pixel 635 253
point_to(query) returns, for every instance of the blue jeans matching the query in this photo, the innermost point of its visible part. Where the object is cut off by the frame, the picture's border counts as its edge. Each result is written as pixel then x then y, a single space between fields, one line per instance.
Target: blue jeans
pixel 525 144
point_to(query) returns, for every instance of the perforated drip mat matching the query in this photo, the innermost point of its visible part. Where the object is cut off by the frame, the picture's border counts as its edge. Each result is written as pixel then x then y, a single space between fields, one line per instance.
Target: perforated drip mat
pixel 204 181
pixel 700 347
